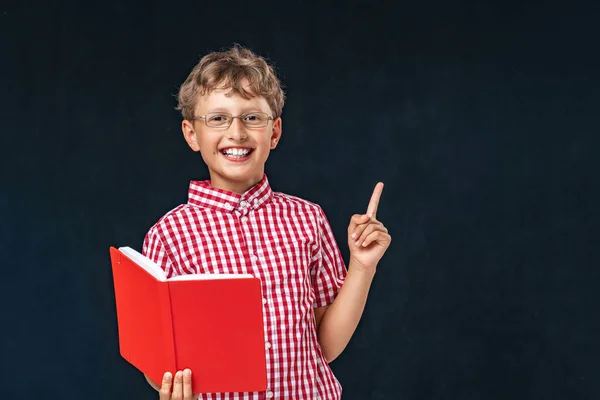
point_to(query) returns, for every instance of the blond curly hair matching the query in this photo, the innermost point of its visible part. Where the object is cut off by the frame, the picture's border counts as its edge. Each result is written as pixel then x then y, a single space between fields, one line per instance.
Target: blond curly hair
pixel 231 69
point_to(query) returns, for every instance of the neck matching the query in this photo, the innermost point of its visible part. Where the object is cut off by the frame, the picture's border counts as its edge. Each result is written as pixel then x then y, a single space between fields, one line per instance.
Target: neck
pixel 237 187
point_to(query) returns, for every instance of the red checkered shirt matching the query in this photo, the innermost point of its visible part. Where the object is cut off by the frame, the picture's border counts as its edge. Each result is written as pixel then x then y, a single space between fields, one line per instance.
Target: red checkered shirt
pixel 286 242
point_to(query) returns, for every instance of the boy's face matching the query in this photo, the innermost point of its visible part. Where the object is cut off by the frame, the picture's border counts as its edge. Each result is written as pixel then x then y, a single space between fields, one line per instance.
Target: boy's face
pixel 224 149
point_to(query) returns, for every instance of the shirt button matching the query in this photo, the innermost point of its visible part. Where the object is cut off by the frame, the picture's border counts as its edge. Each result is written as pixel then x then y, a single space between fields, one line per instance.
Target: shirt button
pixel 253 257
pixel 244 218
pixel 243 203
pixel 264 301
pixel 228 206
pixel 269 394
pixel 268 345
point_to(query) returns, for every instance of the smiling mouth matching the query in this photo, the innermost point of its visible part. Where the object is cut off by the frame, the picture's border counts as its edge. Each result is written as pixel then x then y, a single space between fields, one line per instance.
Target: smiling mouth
pixel 236 154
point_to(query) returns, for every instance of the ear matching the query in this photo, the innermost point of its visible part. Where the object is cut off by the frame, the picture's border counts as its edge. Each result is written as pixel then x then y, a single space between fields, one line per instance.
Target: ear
pixel 189 134
pixel 276 133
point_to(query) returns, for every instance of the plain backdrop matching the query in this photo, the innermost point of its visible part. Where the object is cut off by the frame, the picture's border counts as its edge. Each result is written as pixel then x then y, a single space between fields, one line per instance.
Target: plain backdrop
pixel 481 118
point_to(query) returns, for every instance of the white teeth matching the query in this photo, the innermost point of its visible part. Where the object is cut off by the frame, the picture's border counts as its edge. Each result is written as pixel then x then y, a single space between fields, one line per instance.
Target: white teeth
pixel 237 153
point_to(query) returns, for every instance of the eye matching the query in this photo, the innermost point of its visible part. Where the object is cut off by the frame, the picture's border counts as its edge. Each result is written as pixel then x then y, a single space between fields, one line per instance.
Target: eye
pixel 253 117
pixel 218 118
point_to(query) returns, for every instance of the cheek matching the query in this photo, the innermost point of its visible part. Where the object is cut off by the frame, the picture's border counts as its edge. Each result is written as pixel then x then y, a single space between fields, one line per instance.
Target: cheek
pixel 265 155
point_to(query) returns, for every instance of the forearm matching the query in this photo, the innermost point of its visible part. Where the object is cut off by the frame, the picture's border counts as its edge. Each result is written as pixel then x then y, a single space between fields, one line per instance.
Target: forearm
pixel 341 318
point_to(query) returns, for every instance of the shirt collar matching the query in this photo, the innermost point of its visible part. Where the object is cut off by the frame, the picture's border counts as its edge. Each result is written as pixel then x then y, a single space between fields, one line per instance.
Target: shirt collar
pixel 202 194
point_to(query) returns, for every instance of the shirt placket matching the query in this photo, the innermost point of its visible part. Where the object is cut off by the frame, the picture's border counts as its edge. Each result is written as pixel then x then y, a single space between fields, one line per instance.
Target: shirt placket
pixel 245 209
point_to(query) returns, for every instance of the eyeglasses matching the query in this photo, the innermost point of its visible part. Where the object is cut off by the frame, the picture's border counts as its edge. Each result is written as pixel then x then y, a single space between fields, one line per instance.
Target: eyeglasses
pixel 224 120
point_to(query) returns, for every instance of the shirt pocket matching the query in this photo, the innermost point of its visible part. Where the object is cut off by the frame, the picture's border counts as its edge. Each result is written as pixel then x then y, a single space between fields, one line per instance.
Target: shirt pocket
pixel 292 281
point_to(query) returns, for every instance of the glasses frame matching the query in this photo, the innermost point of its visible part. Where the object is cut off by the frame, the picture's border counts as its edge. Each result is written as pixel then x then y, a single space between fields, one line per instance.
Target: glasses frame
pixel 232 117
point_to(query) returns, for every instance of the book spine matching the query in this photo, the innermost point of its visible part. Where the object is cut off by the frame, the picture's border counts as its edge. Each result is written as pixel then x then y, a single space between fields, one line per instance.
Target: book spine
pixel 167 326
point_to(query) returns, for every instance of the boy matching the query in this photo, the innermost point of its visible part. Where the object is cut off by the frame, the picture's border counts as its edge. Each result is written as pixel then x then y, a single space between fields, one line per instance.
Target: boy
pixel 231 104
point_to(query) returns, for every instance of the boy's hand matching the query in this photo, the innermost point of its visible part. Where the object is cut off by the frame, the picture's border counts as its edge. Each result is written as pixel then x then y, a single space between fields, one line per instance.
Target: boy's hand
pixel 368 239
pixel 179 389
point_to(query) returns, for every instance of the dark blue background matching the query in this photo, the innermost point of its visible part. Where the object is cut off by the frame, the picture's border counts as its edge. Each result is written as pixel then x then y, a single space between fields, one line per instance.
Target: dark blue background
pixel 480 117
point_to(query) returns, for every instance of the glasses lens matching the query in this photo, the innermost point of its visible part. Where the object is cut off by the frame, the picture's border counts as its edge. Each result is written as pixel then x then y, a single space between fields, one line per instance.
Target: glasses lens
pixel 218 120
pixel 255 120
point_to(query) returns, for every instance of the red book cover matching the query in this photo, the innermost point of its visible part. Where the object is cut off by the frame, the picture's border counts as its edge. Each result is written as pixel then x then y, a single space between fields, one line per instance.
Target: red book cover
pixel 211 324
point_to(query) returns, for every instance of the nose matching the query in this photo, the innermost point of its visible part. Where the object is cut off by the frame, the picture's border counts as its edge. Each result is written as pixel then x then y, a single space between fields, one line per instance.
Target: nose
pixel 237 130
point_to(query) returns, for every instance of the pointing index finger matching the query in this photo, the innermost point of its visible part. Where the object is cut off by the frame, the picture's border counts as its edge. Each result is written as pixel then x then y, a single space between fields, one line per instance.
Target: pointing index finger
pixel 374 202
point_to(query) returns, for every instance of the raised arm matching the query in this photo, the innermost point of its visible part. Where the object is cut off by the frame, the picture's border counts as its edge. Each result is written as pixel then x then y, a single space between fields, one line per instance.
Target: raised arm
pixel 368 240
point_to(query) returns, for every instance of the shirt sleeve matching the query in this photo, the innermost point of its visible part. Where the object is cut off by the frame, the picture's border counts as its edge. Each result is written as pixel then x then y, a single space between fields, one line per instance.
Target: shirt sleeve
pixel 328 269
pixel 155 250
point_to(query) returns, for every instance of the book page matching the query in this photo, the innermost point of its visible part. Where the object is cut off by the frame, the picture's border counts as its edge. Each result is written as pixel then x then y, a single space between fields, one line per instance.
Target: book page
pixel 157 272
pixel 144 262
pixel 198 277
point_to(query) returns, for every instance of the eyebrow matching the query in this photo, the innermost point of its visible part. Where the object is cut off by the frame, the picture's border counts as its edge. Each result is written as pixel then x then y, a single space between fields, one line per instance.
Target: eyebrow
pixel 244 111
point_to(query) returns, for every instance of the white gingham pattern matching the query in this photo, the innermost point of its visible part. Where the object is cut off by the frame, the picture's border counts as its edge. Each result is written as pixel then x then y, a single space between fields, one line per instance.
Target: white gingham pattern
pixel 286 242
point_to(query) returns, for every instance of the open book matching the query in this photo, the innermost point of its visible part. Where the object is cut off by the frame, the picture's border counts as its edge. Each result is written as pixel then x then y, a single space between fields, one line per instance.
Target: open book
pixel 210 323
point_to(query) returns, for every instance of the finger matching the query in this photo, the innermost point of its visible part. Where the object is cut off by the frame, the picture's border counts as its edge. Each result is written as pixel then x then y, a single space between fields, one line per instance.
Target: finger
pixel 356 220
pixel 165 389
pixel 187 384
pixel 360 228
pixel 374 202
pixel 359 225
pixel 380 237
pixel 178 386
pixel 370 228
